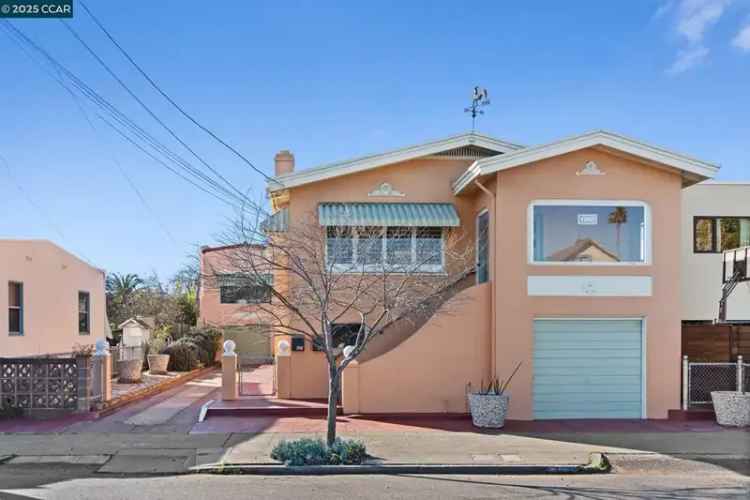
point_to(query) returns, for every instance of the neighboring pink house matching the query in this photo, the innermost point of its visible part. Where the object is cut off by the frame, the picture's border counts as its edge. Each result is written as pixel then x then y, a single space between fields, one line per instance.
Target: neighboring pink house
pixel 50 300
pixel 578 274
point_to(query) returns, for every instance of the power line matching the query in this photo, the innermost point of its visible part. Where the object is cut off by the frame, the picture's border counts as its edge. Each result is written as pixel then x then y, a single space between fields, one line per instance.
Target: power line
pixel 148 109
pixel 79 106
pixel 103 104
pixel 167 97
pixel 44 214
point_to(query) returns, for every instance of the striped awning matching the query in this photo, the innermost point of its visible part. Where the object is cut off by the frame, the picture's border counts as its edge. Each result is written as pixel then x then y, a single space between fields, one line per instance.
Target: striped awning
pixel 276 223
pixel 388 214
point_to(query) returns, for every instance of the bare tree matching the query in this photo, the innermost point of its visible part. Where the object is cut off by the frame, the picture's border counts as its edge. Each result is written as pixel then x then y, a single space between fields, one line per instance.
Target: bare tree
pixel 310 278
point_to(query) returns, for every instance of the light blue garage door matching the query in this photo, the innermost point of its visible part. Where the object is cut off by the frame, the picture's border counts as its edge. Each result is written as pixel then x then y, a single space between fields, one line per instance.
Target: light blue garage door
pixel 588 369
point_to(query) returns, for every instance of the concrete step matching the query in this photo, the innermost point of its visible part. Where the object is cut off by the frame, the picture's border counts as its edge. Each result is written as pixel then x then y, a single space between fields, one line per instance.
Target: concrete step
pixel 262 406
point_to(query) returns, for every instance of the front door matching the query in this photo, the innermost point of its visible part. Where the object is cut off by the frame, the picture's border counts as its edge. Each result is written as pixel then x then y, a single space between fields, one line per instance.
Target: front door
pixel 483 247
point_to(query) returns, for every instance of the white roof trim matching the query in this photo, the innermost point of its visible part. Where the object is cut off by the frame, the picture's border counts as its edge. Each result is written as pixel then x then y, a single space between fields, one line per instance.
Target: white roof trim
pixel 397 155
pixel 691 166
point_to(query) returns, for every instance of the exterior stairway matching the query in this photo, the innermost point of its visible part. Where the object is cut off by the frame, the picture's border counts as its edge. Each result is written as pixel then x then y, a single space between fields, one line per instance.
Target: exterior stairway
pixel 404 327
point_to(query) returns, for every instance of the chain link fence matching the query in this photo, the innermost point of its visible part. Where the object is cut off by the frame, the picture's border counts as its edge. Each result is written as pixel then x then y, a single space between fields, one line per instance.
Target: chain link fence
pixel 700 379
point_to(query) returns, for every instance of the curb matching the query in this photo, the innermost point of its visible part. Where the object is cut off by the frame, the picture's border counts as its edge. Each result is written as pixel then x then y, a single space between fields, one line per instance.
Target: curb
pixel 598 464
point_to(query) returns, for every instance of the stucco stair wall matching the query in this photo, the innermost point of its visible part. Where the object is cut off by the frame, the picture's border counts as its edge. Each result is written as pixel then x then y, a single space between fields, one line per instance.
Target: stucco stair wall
pixel 428 371
pixel 403 328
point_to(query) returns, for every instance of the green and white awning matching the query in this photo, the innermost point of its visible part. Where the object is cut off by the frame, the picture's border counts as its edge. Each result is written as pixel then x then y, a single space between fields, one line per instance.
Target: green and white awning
pixel 276 223
pixel 388 214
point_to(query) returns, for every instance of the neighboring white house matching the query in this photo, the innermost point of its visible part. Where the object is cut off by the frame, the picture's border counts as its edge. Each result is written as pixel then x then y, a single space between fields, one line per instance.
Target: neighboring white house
pixel 136 331
pixel 715 217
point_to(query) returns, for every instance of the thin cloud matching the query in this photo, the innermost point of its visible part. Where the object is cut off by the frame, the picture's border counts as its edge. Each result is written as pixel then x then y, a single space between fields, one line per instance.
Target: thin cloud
pixel 693 19
pixel 688 59
pixel 742 40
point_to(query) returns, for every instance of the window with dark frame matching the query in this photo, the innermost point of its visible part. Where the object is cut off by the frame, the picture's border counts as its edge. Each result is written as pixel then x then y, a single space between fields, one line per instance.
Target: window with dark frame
pixel 15 308
pixel 343 334
pixel 84 313
pixel 712 234
pixel 243 289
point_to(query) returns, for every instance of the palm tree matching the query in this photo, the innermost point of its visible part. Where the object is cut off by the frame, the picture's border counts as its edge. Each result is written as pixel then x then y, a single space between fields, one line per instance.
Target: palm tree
pixel 619 216
pixel 122 286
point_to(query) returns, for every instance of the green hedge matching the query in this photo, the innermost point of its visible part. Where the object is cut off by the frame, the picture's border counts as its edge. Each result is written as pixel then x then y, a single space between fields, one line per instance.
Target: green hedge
pixel 196 348
pixel 307 451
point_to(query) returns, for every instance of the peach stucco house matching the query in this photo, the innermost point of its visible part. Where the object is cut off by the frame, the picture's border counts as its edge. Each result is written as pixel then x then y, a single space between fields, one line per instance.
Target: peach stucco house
pixel 577 275
pixel 50 300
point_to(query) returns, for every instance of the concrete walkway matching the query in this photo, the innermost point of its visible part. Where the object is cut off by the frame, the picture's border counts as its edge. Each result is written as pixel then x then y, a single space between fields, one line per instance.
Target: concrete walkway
pixel 172 452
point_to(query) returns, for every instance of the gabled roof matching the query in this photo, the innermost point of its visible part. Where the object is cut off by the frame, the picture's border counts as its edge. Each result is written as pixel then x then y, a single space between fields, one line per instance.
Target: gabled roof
pixel 146 322
pixel 572 252
pixel 397 155
pixel 692 170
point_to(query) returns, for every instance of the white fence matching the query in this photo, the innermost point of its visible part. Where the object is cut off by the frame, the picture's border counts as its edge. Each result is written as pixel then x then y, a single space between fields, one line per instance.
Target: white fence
pixel 700 379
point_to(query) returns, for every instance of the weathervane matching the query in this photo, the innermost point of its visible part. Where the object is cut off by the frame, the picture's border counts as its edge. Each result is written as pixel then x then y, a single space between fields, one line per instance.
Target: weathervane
pixel 479 98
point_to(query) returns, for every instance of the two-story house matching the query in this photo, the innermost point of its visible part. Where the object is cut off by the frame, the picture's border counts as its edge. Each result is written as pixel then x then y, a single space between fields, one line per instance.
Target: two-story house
pixel 577 272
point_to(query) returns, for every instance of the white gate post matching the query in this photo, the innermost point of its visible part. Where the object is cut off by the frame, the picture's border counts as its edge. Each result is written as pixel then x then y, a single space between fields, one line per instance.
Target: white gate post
pixel 740 374
pixel 685 375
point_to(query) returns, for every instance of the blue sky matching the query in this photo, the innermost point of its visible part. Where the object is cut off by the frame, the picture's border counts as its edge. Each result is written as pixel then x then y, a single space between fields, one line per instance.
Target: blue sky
pixel 330 83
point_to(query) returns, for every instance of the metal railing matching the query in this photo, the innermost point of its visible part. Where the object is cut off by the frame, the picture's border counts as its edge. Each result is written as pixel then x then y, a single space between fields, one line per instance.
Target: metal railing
pixel 699 379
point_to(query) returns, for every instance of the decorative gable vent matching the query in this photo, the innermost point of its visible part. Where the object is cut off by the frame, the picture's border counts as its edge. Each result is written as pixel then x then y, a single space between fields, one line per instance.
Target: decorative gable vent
pixel 464 152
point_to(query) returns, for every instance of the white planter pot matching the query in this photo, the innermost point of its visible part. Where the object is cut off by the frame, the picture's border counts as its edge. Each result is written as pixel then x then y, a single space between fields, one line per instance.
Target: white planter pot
pixel 130 370
pixel 488 410
pixel 732 408
pixel 157 363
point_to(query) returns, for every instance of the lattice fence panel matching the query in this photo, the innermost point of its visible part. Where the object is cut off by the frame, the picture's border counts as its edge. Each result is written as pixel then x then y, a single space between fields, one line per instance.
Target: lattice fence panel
pixel 39 383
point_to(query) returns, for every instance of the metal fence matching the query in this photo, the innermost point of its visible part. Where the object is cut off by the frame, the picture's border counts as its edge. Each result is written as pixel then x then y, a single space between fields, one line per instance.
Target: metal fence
pixel 700 379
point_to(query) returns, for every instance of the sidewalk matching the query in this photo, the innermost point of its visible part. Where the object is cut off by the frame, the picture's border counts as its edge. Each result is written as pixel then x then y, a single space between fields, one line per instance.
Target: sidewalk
pixel 168 453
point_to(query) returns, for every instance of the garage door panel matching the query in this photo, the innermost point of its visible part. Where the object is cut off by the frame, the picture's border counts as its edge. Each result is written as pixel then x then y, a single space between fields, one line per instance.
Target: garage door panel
pixel 604 380
pixel 622 353
pixel 587 368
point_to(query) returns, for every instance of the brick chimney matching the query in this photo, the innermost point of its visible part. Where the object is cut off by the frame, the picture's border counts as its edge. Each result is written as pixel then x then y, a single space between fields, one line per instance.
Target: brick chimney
pixel 284 162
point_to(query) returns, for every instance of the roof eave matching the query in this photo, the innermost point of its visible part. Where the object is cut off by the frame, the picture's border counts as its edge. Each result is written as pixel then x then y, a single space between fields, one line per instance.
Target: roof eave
pixel 395 156
pixel 693 170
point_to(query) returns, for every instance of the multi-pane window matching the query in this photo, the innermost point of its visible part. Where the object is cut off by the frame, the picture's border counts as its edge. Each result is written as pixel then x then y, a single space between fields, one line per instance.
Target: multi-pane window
pixel 398 249
pixel 15 308
pixel 84 313
pixel 589 232
pixel 340 245
pixel 716 234
pixel 242 289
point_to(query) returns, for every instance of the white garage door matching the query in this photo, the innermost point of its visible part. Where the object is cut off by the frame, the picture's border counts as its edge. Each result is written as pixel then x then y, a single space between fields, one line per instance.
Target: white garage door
pixel 586 368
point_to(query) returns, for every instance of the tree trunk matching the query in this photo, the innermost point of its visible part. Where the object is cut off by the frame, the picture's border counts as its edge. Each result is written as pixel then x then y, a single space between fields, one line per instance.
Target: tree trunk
pixel 333 399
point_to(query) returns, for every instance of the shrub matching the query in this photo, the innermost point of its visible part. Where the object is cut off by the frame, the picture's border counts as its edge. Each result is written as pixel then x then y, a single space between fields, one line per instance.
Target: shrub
pixel 182 357
pixel 307 451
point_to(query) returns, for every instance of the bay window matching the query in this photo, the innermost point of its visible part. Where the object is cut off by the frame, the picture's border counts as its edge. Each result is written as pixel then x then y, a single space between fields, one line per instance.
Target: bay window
pixel 375 248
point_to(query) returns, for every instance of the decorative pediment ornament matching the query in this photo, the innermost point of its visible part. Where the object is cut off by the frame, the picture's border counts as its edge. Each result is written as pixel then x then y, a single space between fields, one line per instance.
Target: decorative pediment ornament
pixel 385 189
pixel 590 168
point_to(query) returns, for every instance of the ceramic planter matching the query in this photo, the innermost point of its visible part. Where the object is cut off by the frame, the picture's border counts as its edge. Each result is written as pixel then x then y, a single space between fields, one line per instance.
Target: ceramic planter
pixel 130 370
pixel 157 363
pixel 488 410
pixel 732 408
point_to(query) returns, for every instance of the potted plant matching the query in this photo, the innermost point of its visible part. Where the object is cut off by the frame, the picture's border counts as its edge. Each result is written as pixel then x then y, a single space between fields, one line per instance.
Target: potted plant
pixel 489 405
pixel 158 362
pixel 732 408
